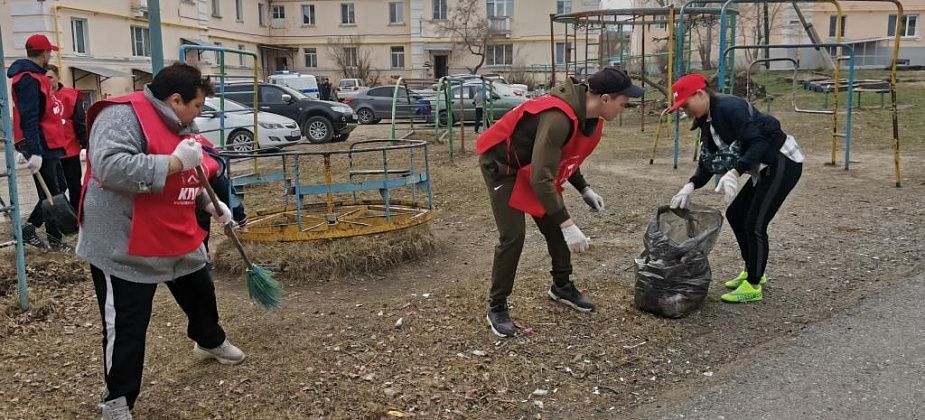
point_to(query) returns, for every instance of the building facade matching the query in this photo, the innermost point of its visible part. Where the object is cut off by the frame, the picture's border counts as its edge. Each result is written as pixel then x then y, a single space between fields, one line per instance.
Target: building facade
pixel 106 48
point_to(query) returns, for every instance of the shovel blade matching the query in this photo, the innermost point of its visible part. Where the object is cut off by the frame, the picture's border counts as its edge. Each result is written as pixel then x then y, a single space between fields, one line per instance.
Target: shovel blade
pixel 59 211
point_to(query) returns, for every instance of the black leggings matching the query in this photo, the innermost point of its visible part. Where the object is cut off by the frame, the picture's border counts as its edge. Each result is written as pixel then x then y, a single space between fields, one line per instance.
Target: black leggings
pixel 755 207
pixel 72 178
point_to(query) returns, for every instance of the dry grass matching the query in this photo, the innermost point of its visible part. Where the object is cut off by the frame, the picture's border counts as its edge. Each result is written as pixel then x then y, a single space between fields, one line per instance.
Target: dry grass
pixel 328 259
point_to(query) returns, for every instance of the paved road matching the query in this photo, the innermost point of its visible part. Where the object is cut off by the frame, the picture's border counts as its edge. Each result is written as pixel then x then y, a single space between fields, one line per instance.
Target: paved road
pixel 867 363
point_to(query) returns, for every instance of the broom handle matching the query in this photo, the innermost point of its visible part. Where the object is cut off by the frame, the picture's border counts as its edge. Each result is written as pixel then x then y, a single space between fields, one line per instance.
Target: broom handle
pixel 229 231
pixel 38 177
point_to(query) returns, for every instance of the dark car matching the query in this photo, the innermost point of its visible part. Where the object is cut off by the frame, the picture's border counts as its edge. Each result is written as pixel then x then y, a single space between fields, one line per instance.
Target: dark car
pixel 320 121
pixel 375 104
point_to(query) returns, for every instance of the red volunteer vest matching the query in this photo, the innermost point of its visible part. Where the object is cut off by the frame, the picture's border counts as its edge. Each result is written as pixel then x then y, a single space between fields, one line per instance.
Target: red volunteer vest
pixel 68 97
pixel 163 224
pixel 574 153
pixel 51 125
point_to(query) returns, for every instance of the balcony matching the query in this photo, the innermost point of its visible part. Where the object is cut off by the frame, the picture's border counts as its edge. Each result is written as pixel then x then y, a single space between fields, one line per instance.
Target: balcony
pixel 500 25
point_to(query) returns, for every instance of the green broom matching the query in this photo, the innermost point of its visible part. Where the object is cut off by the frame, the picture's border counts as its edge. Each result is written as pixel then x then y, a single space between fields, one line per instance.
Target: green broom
pixel 263 289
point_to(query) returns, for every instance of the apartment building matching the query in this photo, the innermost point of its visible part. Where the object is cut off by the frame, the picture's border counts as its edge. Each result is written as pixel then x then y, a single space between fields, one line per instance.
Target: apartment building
pixel 106 45
pixel 867 26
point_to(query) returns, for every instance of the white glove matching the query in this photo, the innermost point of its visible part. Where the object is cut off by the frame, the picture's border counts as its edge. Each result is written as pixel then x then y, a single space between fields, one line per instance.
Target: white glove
pixel 729 186
pixel 20 159
pixel 683 197
pixel 34 163
pixel 189 153
pixel 593 200
pixel 224 218
pixel 576 239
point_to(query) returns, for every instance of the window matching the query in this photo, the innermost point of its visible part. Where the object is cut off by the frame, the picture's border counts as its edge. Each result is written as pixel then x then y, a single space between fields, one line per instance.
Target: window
pixel 216 8
pixel 440 9
pixel 500 8
pixel 261 14
pixel 79 35
pixel 271 95
pixel 308 14
pixel 239 10
pixel 279 11
pixel 910 22
pixel 347 14
pixel 240 56
pixel 311 57
pixel 350 57
pixel 141 41
pixel 396 13
pixel 564 6
pixel 387 92
pixel 832 23
pixel 398 57
pixel 563 52
pixel 501 54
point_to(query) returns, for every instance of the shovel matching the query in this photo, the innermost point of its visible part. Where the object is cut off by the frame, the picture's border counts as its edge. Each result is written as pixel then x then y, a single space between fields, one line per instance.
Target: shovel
pixel 57 209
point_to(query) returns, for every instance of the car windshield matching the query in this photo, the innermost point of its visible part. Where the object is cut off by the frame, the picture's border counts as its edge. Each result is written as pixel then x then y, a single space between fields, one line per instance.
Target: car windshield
pixel 230 106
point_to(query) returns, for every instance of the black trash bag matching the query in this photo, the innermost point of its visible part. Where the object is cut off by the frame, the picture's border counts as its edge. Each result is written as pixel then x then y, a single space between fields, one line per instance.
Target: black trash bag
pixel 673 273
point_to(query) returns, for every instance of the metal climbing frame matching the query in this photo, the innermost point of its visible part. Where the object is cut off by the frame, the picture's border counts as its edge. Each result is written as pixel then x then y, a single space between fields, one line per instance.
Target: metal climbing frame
pixel 839 58
pixel 851 74
pixel 12 209
pixel 298 219
pixel 604 19
pixel 444 96
pixel 220 52
pixel 721 69
pixel 400 83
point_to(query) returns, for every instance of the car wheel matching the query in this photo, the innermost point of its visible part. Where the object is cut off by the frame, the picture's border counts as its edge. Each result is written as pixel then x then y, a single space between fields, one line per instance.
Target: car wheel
pixel 366 116
pixel 318 130
pixel 443 119
pixel 240 141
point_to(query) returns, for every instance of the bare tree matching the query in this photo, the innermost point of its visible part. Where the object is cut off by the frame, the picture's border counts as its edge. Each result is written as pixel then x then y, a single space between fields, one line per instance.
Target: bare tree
pixel 469 29
pixel 352 59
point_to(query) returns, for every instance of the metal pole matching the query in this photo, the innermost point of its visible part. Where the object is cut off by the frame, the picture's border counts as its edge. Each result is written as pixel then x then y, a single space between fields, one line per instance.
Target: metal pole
pixel 157 42
pixel 6 111
pixel 642 74
pixel 552 48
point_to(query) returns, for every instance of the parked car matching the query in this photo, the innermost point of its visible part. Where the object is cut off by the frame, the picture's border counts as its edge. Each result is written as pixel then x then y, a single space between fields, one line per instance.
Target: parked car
pixel 274 130
pixel 375 104
pixel 305 83
pixel 502 102
pixel 348 88
pixel 320 121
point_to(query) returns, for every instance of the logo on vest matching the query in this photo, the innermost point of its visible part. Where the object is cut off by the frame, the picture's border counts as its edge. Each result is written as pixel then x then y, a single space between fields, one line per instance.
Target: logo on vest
pixel 187 194
pixel 57 108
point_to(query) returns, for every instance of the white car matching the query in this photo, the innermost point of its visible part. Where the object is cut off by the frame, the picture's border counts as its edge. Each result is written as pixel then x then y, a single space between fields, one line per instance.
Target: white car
pixel 274 130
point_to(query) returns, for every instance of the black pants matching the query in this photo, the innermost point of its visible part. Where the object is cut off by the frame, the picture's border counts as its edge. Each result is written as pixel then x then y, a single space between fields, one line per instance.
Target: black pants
pixel 753 209
pixel 73 175
pixel 125 308
pixel 479 114
pixel 51 172
pixel 511 234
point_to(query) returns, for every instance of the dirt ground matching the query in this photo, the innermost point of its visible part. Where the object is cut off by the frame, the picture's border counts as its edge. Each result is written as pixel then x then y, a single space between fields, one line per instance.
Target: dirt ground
pixel 333 350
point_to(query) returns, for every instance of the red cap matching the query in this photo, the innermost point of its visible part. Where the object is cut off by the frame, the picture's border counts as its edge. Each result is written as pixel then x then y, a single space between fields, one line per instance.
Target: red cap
pixel 40 43
pixel 684 88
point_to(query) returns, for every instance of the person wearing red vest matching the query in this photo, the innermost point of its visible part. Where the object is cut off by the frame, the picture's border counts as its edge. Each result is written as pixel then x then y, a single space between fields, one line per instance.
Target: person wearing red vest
pixel 74 120
pixel 138 225
pixel 38 132
pixel 525 158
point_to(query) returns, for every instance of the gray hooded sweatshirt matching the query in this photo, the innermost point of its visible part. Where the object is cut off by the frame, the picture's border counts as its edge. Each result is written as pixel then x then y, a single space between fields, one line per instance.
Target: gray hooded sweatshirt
pixel 120 170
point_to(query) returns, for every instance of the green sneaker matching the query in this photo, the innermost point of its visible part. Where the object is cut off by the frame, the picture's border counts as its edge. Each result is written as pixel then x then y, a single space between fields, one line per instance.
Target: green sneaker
pixel 744 293
pixel 736 282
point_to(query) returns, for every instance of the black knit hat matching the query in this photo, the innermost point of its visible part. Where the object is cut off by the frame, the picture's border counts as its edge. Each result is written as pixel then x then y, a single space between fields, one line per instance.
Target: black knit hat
pixel 612 80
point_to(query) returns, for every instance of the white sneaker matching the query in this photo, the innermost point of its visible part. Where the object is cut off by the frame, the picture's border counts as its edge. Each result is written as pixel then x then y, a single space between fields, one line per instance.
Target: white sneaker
pixel 226 354
pixel 116 409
